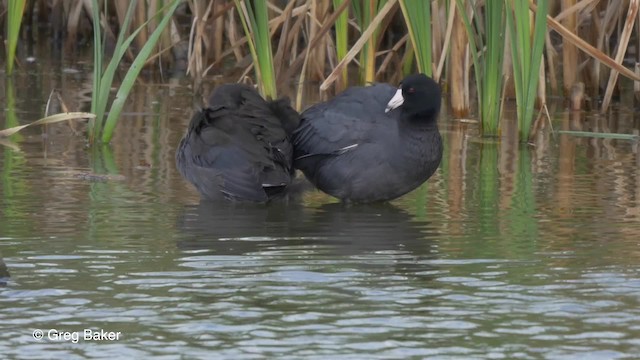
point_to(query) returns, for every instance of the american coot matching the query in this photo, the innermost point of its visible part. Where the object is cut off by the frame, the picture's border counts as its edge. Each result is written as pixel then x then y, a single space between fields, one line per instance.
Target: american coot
pixel 239 146
pixel 372 143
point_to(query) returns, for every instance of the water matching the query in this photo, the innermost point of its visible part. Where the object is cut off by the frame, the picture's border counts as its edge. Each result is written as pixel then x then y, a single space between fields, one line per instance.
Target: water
pixel 509 251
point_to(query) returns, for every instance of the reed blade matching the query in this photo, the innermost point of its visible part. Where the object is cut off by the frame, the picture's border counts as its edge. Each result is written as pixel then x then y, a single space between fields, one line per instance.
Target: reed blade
pixel 342 38
pixel 417 16
pixel 487 51
pixel 14 21
pixel 527 44
pixel 255 22
pixel 134 70
pixel 48 120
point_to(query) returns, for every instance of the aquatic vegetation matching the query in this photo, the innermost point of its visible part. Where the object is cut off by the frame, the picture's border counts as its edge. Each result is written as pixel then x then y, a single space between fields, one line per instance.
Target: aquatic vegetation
pixel 364 13
pixel 101 130
pixel 527 43
pixel 14 20
pixel 341 39
pixel 494 49
pixel 488 56
pixel 255 22
pixel 418 19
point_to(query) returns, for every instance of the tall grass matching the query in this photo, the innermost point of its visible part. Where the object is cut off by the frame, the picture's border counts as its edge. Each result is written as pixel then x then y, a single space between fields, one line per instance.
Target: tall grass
pixel 255 21
pixel 527 43
pixel 487 53
pixel 101 129
pixel 365 11
pixel 417 15
pixel 14 20
pixel 301 30
pixel 342 40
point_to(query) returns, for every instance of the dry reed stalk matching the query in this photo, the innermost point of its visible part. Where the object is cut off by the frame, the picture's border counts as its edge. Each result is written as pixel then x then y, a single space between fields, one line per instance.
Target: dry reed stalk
pixel 218 18
pixel 301 79
pixel 541 99
pixel 295 64
pixel 73 22
pixel 622 49
pixel 551 63
pixel 288 34
pixel 197 39
pixel 458 72
pixel 508 87
pixel 437 32
pixel 581 6
pixel 605 29
pixel 447 40
pixel 140 17
pixel 569 50
pixel 591 74
pixel 370 48
pixel 391 54
pixel 165 42
pixel 217 40
pixel 318 14
pixel 588 48
pixel 366 35
pixel 234 35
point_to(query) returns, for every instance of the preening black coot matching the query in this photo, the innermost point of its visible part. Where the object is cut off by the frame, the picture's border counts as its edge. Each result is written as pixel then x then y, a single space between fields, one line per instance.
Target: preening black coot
pixel 239 147
pixel 372 143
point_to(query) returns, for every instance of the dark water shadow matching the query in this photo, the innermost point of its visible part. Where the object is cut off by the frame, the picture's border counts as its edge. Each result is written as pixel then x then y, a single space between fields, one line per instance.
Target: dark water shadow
pixel 4 273
pixel 369 228
pixel 209 223
pixel 343 230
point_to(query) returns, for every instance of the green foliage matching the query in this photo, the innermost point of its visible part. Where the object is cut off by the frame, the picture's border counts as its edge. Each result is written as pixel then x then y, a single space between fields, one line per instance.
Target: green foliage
pixel 487 54
pixel 527 45
pixel 14 20
pixel 417 15
pixel 255 21
pixel 365 11
pixel 342 36
pixel 11 119
pixel 103 80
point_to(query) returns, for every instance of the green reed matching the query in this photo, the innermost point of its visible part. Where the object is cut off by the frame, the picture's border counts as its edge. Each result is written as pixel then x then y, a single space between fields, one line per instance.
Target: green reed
pixel 527 45
pixel 101 129
pixel 487 53
pixel 255 21
pixel 417 16
pixel 365 11
pixel 14 20
pixel 342 38
pixel 521 215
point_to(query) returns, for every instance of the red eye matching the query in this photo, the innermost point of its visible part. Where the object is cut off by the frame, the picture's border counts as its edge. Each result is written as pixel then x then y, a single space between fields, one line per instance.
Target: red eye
pixel 411 90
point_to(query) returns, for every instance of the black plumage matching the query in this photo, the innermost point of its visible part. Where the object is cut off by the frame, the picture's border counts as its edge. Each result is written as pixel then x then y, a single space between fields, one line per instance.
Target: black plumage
pixel 372 143
pixel 239 147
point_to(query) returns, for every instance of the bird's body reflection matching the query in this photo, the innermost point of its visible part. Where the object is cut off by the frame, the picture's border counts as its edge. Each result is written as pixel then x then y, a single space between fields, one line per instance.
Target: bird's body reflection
pixel 228 228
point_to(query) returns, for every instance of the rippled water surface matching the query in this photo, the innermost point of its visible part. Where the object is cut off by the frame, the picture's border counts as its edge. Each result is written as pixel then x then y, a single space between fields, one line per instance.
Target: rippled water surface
pixel 509 251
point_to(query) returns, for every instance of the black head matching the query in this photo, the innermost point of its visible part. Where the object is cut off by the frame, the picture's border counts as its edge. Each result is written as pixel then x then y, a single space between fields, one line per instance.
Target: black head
pixel 419 96
pixel 232 95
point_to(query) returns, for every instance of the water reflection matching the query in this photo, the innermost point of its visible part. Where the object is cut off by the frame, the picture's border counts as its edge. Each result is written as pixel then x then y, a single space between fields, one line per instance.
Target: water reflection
pixel 226 226
pixel 510 251
pixel 4 273
pixel 232 228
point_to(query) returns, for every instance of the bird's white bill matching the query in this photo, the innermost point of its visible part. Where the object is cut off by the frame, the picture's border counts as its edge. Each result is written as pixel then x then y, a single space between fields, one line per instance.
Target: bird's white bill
pixel 396 100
